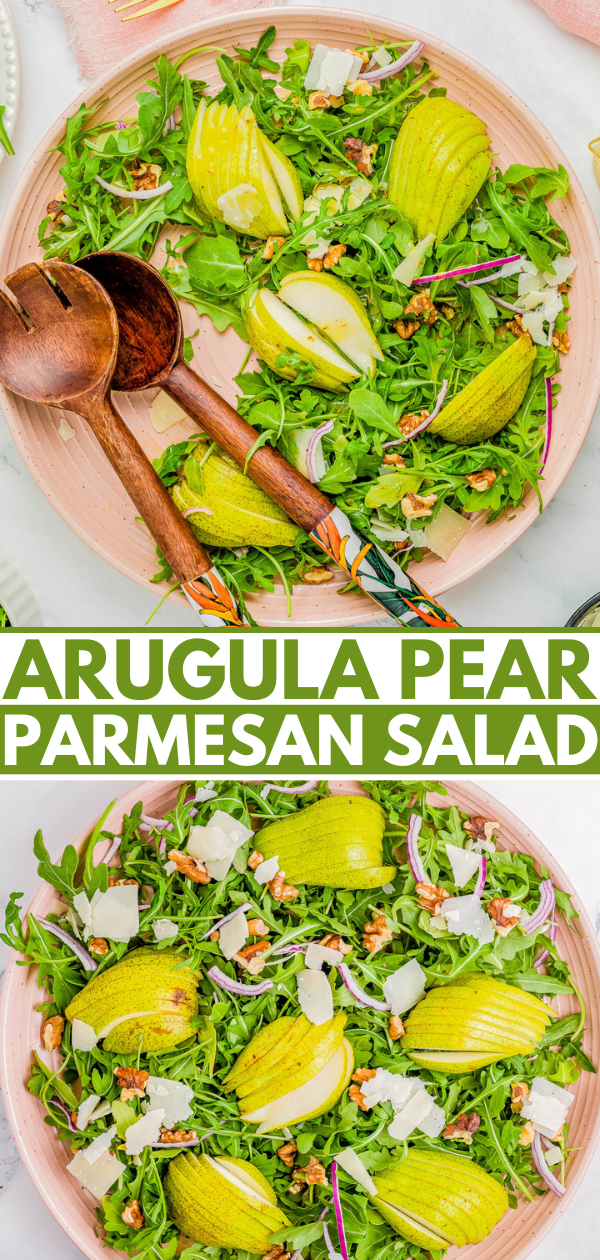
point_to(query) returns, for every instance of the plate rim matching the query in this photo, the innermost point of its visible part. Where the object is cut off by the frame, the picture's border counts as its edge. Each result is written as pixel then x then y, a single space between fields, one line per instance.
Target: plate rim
pixel 14 74
pixel 480 799
pixel 524 516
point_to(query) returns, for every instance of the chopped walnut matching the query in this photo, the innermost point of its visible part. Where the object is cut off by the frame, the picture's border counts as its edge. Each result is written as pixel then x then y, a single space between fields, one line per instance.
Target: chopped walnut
pixel 516 327
pixel 363 1074
pixel 360 87
pixel 56 208
pixel 356 1095
pixel 561 342
pixel 215 936
pixel 132 1082
pixel 122 883
pixel 271 244
pixel 280 891
pixel 277 1252
pixel 145 175
pixel 318 100
pixel 313 264
pixel 256 927
pixel 360 52
pixel 287 1153
pixel 406 327
pixel 422 307
pixel 462 1130
pixel 191 867
pixel 52 1031
pixel 98 946
pixel 519 1093
pixel 416 505
pixel 481 480
pixel 562 288
pixel 332 941
pixel 411 421
pixel 499 910
pixel 172 1137
pixel 250 958
pixel 376 933
pixel 527 1134
pixel 255 859
pixel 313 1175
pixel 361 153
pixel 133 1216
pixel 481 831
pixel 396 461
pixel 333 255
pixel 316 575
pixel 431 897
pixel 396 1028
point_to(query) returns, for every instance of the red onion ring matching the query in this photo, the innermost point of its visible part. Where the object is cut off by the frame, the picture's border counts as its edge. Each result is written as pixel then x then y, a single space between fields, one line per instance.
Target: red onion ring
pixel 354 988
pixel 339 1219
pixel 384 72
pixel 319 433
pixel 544 954
pixel 412 848
pixel 86 960
pixel 548 436
pixel 539 1160
pixel 308 786
pixel 546 907
pixel 424 423
pixel 219 978
pixel 57 1102
pixel 480 885
pixel 468 271
pixel 129 194
pixel 227 918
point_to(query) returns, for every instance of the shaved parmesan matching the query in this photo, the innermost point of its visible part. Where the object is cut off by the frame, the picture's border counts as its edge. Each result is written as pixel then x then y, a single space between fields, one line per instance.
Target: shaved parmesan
pixel 409 266
pixel 547 1114
pixel 465 916
pixel 86 1110
pixel 240 206
pixel 350 1162
pixel 144 1132
pixel 563 269
pixel 206 793
pixel 549 1089
pixel 103 1109
pixel 553 1155
pixel 410 1118
pixel 233 935
pixel 83 1036
pixel 217 843
pixel 315 996
pixel 314 70
pixel 172 1098
pixel 267 871
pixel 316 955
pixel 164 929
pixel 99 1146
pixel 533 323
pixel 165 412
pixel 382 57
pixel 98 1177
pixel 405 987
pixel 66 430
pixel 330 69
pixel 464 862
pixel 391 1087
pixel 433 1123
pixel 112 914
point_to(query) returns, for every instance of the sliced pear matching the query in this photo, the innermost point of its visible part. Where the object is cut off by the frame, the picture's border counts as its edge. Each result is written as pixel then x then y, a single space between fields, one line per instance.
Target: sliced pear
pixel 335 310
pixel 144 980
pixel 336 842
pixel 452 1061
pixel 286 177
pixel 274 329
pixel 193 160
pixel 445 1194
pixel 415 1229
pixel 311 1099
pixel 313 1053
pixel 222 1202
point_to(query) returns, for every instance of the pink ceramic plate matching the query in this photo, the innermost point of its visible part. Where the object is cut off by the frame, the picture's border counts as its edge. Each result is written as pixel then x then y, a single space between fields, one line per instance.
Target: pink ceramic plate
pixel 74 1208
pixel 74 475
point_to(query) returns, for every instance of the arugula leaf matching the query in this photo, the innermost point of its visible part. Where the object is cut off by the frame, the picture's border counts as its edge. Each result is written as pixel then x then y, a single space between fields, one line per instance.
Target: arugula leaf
pixel 546 180
pixel 61 875
pixel 214 261
pixel 368 405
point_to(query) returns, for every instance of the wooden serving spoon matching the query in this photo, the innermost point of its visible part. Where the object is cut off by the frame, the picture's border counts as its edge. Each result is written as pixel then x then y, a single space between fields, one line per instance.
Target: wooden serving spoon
pixel 151 353
pixel 58 345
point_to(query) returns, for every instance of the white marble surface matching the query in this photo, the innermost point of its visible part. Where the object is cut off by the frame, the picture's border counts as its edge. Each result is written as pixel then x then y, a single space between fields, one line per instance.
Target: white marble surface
pixel 561 812
pixel 545 575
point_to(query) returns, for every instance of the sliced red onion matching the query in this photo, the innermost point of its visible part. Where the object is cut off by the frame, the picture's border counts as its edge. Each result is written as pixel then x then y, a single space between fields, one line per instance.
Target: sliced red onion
pixel 354 988
pixel 129 194
pixel 114 848
pixel 384 72
pixel 86 960
pixel 173 1146
pixel 424 423
pixel 331 1251
pixel 544 954
pixel 227 919
pixel 339 1219
pixel 291 949
pixel 546 907
pixel 161 823
pixel 219 978
pixel 309 786
pixel 548 436
pixel 412 849
pixel 121 126
pixel 480 885
pixel 468 271
pixel 546 1174
pixel 312 447
pixel 201 508
pixel 57 1102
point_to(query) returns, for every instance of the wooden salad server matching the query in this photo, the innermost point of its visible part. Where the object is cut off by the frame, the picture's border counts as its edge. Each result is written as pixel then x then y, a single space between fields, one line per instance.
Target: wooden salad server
pixel 151 353
pixel 58 346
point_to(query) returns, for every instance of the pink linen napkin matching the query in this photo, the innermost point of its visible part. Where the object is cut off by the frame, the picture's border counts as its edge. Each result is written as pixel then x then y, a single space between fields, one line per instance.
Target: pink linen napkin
pixel 581 17
pixel 101 40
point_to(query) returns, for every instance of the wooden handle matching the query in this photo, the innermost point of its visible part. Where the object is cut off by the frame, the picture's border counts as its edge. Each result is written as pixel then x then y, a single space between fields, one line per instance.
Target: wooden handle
pixel 186 556
pixel 301 500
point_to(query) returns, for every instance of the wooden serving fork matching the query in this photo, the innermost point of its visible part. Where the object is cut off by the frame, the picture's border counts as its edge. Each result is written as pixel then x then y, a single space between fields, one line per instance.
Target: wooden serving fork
pixel 59 345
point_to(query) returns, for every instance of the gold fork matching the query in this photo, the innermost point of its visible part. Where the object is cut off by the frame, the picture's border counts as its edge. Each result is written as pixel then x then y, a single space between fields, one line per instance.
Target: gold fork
pixel 150 8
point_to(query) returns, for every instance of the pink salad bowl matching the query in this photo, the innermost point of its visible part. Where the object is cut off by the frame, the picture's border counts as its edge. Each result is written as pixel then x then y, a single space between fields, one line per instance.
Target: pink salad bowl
pixel 74 1208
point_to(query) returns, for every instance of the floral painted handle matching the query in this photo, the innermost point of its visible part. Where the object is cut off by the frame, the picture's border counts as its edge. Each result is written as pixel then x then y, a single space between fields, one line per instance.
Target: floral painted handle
pixel 213 601
pixel 377 574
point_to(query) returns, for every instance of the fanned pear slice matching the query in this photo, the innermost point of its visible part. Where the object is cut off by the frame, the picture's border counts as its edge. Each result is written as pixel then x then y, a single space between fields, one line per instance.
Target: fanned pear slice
pixel 231 510
pixel 310 1100
pixel 317 845
pixel 273 329
pixel 286 177
pixel 272 218
pixel 194 169
pixel 145 980
pixel 222 1202
pixel 489 401
pixel 415 1229
pixel 270 1039
pixel 314 1052
pixel 451 1196
pixel 451 1061
pixel 335 309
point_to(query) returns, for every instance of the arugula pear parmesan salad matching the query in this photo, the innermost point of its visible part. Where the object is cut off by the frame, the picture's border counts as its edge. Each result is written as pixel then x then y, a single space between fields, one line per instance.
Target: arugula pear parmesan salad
pixel 284 1023
pixel 407 299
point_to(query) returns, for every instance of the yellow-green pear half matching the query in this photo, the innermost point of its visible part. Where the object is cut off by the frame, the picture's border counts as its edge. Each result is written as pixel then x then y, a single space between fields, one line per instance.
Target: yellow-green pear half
pixel 436 1200
pixel 489 401
pixel 335 309
pixel 291 1071
pixel 232 510
pixel 336 843
pixel 237 175
pixel 472 1021
pixel 222 1202
pixel 146 1001
pixel 274 329
pixel 440 159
